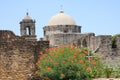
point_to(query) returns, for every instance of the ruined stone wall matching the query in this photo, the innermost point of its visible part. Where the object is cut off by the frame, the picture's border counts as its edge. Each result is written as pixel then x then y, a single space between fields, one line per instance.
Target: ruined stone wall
pixel 103 44
pixel 17 59
pixel 18 56
pixel 40 46
pixel 118 45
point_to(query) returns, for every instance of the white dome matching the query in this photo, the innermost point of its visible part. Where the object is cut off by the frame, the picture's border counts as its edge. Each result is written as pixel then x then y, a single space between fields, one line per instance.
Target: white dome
pixel 27 17
pixel 61 19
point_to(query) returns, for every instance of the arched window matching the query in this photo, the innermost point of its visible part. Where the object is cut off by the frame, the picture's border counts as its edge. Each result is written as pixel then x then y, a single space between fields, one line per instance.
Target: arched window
pixel 79 43
pixel 65 30
pixel 84 43
pixel 28 30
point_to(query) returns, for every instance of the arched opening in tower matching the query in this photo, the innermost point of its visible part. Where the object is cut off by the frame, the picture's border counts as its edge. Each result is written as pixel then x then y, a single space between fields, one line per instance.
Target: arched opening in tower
pixel 28 30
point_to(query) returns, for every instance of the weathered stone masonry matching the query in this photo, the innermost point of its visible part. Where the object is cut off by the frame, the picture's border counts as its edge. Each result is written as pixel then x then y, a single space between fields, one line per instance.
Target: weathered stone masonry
pixel 18 56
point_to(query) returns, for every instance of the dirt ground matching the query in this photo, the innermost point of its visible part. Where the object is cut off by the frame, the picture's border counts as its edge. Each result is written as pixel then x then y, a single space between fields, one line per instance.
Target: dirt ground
pixel 107 79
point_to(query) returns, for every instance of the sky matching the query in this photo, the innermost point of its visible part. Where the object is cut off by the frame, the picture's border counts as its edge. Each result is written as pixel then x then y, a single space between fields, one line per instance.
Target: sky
pixel 101 17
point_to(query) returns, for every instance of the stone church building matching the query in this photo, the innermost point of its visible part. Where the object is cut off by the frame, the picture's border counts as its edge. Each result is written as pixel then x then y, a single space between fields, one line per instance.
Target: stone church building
pixel 63 30
pixel 18 54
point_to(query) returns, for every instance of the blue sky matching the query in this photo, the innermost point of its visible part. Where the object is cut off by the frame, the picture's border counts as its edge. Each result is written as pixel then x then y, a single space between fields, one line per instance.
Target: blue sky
pixel 98 16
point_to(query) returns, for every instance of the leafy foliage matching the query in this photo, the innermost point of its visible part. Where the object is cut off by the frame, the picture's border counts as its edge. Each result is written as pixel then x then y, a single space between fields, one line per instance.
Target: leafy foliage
pixel 68 63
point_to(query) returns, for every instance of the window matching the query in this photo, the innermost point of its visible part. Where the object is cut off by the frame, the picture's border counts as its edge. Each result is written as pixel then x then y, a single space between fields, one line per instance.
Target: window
pixel 28 31
pixel 84 43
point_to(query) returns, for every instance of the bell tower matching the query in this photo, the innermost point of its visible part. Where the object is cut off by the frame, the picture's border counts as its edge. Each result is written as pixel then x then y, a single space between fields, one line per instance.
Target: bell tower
pixel 27 28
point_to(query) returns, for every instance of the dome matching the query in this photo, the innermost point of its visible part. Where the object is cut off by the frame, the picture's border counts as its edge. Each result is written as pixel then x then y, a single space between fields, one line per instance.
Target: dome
pixel 27 17
pixel 61 19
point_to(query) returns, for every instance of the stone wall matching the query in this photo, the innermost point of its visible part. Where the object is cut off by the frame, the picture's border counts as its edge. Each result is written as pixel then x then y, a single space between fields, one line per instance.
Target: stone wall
pixel 62 29
pixel 40 46
pixel 18 57
pixel 103 44
pixel 17 61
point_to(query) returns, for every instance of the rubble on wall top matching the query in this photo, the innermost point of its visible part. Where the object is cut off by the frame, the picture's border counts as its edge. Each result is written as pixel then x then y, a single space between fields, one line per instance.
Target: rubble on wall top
pixel 7 35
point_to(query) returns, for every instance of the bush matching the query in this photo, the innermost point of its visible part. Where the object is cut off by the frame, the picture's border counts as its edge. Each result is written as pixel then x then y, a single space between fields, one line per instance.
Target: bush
pixel 108 71
pixel 68 63
pixel 114 40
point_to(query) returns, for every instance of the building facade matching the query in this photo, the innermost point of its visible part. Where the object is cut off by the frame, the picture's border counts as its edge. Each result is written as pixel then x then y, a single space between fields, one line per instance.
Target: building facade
pixel 63 30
